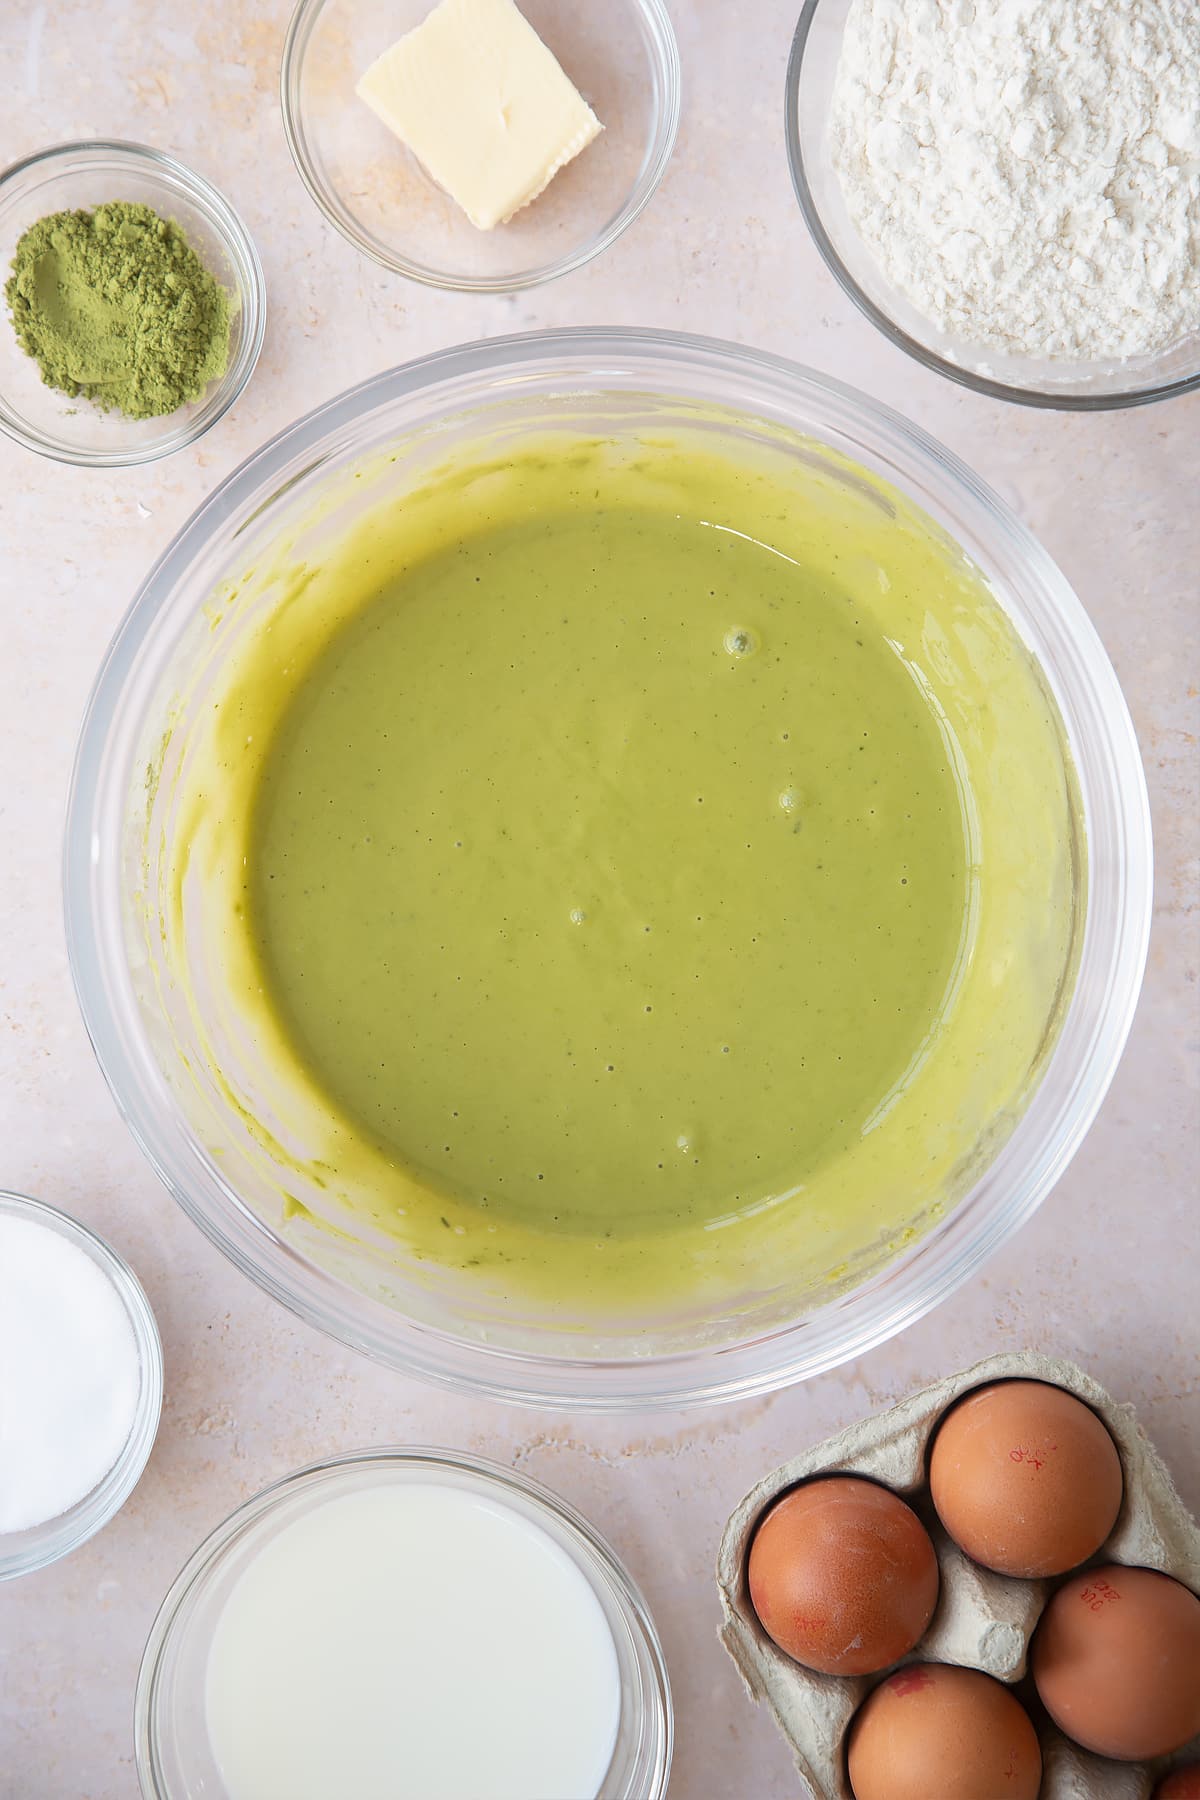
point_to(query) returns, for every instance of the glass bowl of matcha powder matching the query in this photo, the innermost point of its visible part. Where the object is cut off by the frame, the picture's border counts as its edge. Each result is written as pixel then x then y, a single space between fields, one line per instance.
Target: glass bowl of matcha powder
pixel 132 306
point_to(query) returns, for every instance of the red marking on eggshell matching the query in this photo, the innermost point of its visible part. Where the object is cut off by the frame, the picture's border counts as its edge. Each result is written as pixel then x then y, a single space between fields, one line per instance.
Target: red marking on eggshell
pixel 911 1681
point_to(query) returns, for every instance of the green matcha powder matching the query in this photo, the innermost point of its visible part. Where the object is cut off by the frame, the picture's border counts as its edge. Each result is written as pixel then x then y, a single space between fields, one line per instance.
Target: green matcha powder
pixel 115 306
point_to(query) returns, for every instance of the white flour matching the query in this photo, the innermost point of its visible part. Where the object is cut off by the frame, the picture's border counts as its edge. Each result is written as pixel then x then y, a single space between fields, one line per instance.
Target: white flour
pixel 1027 172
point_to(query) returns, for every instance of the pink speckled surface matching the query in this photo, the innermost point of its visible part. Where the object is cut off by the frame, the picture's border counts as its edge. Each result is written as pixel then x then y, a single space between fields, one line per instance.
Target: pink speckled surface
pixel 1106 1275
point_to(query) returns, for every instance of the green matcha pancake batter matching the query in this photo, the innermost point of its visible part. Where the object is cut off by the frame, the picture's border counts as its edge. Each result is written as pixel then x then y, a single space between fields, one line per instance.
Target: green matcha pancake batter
pixel 588 878
pixel 621 876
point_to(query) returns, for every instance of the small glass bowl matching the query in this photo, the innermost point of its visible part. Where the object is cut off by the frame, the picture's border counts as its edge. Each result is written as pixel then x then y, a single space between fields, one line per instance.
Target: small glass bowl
pixel 69 177
pixel 623 58
pixel 23 1551
pixel 1031 381
pixel 174 1757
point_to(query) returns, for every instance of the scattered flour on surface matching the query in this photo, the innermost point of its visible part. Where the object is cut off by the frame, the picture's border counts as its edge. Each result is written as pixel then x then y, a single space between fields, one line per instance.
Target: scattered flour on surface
pixel 1027 172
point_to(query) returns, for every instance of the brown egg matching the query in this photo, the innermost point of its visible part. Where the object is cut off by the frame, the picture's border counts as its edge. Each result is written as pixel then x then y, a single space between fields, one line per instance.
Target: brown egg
pixel 931 1730
pixel 843 1576
pixel 1116 1659
pixel 1025 1478
pixel 1180 1784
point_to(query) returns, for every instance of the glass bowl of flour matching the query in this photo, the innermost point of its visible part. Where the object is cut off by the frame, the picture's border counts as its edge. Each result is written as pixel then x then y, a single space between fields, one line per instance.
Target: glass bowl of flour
pixel 1015 200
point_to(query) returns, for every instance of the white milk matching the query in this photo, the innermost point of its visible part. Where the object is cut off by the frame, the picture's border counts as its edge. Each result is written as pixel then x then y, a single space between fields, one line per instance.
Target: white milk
pixel 412 1642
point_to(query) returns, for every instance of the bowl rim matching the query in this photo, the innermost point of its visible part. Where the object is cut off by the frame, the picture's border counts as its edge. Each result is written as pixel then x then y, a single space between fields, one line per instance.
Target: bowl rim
pixel 229 225
pixel 566 1520
pixel 39 1545
pixel 948 1254
pixel 1041 398
pixel 668 71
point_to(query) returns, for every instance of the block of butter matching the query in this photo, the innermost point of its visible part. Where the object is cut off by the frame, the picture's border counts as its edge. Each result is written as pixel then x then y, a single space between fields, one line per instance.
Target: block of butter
pixel 483 104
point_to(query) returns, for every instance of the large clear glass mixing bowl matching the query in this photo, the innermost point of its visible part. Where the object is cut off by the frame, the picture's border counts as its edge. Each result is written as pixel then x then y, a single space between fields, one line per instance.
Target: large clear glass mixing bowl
pixel 145 1036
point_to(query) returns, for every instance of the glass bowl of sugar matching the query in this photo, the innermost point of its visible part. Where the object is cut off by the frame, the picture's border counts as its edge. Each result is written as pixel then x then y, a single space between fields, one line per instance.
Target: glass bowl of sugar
pixel 1019 212
pixel 82 1406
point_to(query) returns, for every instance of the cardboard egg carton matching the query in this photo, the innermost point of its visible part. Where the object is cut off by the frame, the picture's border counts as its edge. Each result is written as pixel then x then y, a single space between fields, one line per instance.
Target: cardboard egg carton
pixel 982 1621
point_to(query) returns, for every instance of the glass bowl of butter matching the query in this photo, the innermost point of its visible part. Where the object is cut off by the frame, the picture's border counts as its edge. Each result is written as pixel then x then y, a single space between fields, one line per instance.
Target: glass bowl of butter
pixel 477 144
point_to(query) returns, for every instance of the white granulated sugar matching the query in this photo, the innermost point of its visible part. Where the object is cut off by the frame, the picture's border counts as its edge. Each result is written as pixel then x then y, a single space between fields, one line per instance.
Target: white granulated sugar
pixel 1027 172
pixel 69 1374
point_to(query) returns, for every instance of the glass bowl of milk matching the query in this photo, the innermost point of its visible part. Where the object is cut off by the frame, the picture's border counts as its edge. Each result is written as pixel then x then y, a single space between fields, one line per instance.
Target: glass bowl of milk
pixel 404 1621
pixel 968 629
